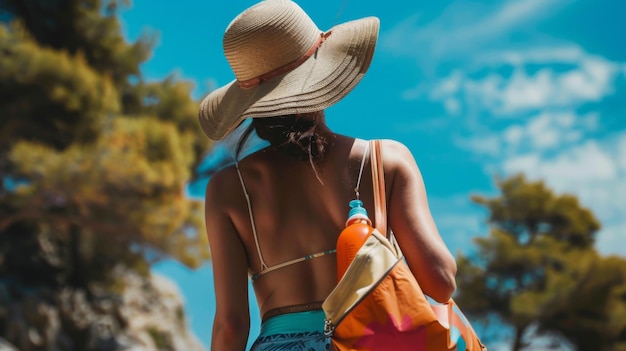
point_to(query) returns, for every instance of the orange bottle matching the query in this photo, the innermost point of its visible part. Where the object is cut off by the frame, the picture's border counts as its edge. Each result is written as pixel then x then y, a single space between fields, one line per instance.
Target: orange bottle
pixel 358 229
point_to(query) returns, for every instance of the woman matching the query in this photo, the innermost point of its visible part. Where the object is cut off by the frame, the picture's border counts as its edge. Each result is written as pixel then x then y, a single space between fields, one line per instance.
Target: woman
pixel 276 214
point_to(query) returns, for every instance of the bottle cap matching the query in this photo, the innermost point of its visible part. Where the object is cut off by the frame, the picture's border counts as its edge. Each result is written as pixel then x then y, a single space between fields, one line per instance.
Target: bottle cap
pixel 357 210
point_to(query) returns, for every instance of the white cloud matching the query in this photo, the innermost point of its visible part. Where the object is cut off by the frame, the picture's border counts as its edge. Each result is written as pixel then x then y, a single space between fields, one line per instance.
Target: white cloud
pixel 542 132
pixel 536 55
pixel 448 86
pixel 522 163
pixel 452 105
pixel 586 79
pixel 520 92
pixel 581 164
pixel 541 135
pixel 514 12
pixel 487 144
pixel 549 130
pixel 621 154
pixel 591 121
pixel 513 135
pixel 565 120
pixel 464 27
pixel 590 81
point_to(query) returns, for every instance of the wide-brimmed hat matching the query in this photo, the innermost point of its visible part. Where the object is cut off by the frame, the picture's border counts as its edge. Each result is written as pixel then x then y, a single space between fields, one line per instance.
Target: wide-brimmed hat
pixel 285 65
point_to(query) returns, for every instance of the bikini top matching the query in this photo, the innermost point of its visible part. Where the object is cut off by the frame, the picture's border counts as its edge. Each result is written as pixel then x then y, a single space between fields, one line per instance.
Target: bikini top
pixel 264 267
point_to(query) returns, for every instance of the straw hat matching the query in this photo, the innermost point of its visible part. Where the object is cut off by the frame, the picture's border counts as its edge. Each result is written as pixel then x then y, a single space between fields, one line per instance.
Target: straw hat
pixel 284 65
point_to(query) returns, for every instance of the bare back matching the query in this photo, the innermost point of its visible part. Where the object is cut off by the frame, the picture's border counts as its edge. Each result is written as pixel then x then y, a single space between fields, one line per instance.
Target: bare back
pixel 295 216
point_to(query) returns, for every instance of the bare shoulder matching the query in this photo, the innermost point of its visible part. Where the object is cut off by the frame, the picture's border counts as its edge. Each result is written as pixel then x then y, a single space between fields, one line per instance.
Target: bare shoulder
pixel 401 169
pixel 396 155
pixel 221 185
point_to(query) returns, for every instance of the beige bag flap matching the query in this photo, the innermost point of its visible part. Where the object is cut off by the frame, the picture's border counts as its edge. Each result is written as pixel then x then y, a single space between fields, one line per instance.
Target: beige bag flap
pixel 370 265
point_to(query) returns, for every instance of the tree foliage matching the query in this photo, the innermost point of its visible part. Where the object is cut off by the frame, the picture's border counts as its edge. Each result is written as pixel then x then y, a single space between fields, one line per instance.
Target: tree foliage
pixel 94 160
pixel 538 267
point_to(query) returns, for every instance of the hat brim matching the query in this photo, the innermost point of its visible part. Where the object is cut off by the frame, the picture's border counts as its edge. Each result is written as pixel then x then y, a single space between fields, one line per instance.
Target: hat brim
pixel 329 75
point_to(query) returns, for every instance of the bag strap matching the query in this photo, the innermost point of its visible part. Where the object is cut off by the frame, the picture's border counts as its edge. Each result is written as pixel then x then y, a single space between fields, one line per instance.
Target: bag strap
pixel 378 180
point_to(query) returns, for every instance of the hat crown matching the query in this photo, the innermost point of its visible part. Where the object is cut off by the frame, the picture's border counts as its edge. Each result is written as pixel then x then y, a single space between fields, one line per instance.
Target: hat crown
pixel 267 36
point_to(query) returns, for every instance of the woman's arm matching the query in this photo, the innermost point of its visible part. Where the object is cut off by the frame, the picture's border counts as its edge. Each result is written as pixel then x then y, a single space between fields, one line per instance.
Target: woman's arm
pixel 232 317
pixel 411 221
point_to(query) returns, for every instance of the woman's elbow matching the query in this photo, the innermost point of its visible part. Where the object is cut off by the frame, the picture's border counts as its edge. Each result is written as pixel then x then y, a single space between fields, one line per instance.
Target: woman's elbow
pixel 445 291
pixel 445 284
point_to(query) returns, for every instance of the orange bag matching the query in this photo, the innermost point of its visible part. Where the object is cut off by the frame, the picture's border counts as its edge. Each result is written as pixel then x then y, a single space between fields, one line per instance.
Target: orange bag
pixel 378 304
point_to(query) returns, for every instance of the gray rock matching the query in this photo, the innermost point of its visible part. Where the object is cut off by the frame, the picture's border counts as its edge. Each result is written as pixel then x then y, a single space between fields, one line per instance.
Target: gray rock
pixel 148 315
pixel 6 346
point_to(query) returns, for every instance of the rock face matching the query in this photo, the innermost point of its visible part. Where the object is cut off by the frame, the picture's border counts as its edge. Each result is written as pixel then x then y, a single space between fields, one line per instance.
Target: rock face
pixel 147 315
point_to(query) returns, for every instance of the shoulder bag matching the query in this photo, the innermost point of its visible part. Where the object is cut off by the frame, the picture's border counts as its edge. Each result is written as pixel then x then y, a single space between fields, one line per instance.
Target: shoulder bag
pixel 379 305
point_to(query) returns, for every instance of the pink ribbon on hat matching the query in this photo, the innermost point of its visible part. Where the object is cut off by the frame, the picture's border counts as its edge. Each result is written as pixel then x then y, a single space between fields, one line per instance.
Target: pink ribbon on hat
pixel 252 82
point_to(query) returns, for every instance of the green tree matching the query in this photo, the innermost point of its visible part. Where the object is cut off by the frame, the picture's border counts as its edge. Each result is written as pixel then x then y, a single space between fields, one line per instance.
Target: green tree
pixel 538 267
pixel 591 307
pixel 94 160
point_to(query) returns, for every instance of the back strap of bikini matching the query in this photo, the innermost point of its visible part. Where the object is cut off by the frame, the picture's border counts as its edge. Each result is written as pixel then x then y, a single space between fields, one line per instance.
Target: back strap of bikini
pixel 285 264
pixel 256 239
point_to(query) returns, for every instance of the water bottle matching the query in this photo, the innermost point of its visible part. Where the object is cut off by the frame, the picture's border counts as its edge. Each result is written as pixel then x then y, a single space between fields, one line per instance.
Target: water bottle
pixel 358 229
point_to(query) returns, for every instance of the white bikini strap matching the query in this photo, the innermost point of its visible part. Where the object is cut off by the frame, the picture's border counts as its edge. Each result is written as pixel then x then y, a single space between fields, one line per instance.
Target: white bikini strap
pixel 288 263
pixel 358 182
pixel 256 239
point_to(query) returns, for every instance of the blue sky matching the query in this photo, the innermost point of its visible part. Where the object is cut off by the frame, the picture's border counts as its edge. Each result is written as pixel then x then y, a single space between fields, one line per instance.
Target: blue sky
pixel 473 88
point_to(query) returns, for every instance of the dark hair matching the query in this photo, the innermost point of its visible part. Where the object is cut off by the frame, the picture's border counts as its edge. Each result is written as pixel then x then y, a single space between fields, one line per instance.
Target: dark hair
pixel 295 135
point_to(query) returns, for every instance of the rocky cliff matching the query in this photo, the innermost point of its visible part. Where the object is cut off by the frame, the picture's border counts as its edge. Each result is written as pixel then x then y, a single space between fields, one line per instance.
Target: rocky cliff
pixel 146 314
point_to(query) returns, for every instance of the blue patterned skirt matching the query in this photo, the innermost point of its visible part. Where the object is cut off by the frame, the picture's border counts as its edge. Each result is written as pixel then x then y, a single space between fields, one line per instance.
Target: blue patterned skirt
pixel 300 331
